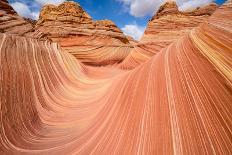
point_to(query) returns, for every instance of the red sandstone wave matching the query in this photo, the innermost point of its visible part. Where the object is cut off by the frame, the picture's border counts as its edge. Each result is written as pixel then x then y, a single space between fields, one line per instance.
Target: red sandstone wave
pixel 167 26
pixel 177 102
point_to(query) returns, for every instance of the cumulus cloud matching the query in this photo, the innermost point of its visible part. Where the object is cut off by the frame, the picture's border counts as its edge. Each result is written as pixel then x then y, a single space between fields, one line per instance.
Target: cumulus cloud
pixel 134 31
pixel 23 10
pixel 35 15
pixel 140 8
pixel 193 4
pixel 55 2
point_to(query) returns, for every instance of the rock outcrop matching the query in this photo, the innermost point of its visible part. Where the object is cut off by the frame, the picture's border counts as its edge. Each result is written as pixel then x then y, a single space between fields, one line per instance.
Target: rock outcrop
pixel 10 22
pixel 5 8
pixel 168 25
pixel 178 102
pixel 168 8
pixel 70 26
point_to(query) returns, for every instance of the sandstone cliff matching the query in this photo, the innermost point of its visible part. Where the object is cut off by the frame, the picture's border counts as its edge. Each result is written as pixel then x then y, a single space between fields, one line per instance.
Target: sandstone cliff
pixel 166 26
pixel 93 42
pixel 10 22
pixel 77 33
pixel 169 24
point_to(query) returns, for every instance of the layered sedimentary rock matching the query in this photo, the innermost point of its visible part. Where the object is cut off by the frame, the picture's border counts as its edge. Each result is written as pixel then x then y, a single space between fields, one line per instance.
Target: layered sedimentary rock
pixel 6 8
pixel 10 22
pixel 177 102
pixel 167 25
pixel 92 42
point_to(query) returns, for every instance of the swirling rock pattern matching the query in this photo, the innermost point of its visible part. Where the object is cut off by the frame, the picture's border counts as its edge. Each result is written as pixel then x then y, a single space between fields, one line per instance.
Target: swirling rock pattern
pixel 167 25
pixel 92 42
pixel 177 102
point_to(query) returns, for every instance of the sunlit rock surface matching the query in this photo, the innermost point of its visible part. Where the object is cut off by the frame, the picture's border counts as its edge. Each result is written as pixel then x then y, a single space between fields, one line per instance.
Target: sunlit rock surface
pixel 177 102
pixel 92 42
pixel 10 22
pixel 167 25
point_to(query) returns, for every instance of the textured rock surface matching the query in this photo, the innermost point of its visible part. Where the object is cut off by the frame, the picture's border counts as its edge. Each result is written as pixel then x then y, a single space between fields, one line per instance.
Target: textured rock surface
pixel 70 19
pixel 177 102
pixel 168 25
pixel 6 8
pixel 10 22
pixel 92 42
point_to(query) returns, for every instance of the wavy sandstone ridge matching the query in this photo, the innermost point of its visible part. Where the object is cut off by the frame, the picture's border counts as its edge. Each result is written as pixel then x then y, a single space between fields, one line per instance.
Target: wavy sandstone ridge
pixel 92 42
pixel 177 102
pixel 167 25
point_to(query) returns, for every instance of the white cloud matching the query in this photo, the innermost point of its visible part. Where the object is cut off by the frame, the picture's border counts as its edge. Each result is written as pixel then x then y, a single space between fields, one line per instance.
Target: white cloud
pixel 23 10
pixel 193 4
pixel 134 31
pixel 35 15
pixel 55 2
pixel 140 8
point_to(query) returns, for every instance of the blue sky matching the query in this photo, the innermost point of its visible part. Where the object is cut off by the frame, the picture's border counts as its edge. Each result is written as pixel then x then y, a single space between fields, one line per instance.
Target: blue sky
pixel 113 10
pixel 220 1
pixel 129 15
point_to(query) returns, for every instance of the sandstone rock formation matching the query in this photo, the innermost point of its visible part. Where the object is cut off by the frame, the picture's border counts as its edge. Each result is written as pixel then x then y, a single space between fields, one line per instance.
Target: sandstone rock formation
pixel 177 102
pixel 6 8
pixel 167 25
pixel 10 22
pixel 76 32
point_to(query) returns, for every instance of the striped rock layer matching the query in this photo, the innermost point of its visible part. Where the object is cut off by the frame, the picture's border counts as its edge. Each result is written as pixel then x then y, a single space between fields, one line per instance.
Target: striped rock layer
pixel 92 42
pixel 177 102
pixel 167 25
pixel 11 23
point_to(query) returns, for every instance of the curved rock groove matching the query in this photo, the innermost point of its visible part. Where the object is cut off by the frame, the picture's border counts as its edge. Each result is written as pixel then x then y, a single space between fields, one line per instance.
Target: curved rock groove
pixel 177 102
